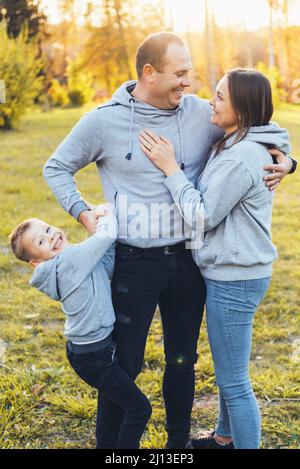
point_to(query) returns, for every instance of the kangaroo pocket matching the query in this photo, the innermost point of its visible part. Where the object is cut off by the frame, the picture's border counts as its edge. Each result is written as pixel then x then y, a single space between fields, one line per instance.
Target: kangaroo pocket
pixel 81 310
pixel 219 247
pixel 202 255
pixel 84 321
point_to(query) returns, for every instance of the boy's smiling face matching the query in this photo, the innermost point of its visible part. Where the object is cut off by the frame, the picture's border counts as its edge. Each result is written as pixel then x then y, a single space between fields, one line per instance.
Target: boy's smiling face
pixel 43 241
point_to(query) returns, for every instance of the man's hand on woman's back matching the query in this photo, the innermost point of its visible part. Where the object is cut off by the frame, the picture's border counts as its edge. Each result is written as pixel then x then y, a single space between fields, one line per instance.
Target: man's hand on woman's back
pixel 279 170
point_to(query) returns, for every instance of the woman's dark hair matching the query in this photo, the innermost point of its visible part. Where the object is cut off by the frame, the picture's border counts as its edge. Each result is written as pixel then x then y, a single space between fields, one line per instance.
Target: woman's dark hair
pixel 251 98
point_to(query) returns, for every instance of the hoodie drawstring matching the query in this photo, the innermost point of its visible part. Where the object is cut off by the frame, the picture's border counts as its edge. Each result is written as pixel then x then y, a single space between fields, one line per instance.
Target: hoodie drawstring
pixel 182 157
pixel 128 156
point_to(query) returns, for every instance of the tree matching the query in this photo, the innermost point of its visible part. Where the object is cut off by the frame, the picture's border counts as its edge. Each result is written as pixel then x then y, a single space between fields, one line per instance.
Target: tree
pixel 273 74
pixel 19 69
pixel 99 50
pixel 17 13
pixel 210 51
pixel 110 50
pixel 67 10
pixel 123 59
pixel 273 6
pixel 80 83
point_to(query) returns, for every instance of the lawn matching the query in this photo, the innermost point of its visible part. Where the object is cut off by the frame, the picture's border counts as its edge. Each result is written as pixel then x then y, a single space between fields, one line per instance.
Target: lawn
pixel 42 402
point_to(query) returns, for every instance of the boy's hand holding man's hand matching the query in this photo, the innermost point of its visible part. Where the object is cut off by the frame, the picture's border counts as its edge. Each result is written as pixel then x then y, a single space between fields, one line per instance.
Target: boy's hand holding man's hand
pixel 89 218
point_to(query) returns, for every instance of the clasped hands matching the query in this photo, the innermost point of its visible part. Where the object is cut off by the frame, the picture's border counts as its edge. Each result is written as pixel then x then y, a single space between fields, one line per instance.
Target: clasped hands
pixel 89 218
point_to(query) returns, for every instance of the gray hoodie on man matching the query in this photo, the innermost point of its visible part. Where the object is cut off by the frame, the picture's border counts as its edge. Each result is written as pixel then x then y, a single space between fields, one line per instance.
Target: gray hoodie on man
pixel 79 277
pixel 233 206
pixel 108 136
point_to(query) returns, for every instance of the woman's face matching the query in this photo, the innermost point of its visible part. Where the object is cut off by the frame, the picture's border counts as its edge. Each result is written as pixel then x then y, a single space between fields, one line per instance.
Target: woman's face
pixel 223 115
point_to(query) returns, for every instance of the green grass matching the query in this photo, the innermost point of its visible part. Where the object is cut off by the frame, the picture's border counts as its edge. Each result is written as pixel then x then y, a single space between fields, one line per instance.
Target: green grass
pixel 42 402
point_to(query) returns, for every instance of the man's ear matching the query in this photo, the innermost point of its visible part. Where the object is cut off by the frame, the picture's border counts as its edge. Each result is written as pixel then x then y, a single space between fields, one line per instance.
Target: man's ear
pixel 149 71
pixel 33 263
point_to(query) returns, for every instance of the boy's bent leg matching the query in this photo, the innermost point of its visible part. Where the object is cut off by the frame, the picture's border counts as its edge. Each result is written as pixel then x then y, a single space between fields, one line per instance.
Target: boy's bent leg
pixel 108 424
pixel 100 369
pixel 136 286
pixel 181 309
pixel 120 390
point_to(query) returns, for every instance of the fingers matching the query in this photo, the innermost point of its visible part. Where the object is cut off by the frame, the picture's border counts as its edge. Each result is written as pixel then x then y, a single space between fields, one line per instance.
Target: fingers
pixel 153 138
pixel 145 148
pixel 101 212
pixel 275 151
pixel 280 158
pixel 149 139
pixel 165 140
pixel 273 176
pixel 272 184
pixel 88 220
pixel 279 155
pixel 271 167
pixel 145 141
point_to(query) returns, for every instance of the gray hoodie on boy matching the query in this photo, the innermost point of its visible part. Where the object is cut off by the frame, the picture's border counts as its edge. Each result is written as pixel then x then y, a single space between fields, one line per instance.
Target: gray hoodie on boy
pixel 108 136
pixel 234 207
pixel 79 277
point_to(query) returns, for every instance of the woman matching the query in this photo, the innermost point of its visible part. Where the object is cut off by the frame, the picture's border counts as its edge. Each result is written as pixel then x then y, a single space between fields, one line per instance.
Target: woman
pixel 237 252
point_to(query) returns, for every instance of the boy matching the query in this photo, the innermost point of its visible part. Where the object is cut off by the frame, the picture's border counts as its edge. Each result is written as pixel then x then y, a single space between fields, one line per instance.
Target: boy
pixel 78 275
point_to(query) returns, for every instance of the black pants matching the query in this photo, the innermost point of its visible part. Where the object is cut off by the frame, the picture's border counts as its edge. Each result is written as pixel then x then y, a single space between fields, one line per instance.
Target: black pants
pixel 142 279
pixel 100 369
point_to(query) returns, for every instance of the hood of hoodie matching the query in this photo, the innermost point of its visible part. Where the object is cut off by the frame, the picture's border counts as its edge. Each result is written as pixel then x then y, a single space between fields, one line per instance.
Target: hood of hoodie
pixel 271 134
pixel 44 278
pixel 146 114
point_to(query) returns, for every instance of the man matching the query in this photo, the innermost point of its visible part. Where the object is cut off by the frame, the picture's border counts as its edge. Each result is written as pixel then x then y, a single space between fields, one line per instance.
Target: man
pixel 151 267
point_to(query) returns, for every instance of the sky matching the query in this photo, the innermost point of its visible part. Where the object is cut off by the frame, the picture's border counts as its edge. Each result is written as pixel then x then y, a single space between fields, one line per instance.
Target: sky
pixel 249 14
pixel 189 14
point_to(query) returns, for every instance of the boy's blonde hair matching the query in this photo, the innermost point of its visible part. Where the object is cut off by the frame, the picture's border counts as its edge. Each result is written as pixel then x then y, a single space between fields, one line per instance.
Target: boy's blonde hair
pixel 15 239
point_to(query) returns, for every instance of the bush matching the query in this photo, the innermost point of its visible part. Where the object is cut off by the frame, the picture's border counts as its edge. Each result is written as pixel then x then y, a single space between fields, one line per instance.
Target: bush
pixel 273 74
pixel 58 94
pixel 77 97
pixel 205 93
pixel 19 68
pixel 80 83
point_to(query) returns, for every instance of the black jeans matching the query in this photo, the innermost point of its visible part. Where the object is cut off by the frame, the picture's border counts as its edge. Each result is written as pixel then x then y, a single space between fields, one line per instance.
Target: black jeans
pixel 143 279
pixel 100 369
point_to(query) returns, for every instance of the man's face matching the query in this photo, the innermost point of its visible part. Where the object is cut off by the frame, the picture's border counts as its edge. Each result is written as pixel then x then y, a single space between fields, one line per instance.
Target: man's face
pixel 170 82
pixel 43 241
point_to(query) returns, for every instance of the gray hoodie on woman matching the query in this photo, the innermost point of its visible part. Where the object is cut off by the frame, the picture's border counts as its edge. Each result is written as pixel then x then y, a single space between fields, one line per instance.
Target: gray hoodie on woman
pixel 79 277
pixel 234 207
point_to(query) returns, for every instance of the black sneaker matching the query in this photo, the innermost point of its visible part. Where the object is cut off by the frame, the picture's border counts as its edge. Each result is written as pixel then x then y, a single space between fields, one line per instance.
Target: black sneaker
pixel 207 442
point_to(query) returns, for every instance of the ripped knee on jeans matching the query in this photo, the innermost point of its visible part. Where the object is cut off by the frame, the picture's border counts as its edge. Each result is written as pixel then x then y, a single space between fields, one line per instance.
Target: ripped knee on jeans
pixel 181 363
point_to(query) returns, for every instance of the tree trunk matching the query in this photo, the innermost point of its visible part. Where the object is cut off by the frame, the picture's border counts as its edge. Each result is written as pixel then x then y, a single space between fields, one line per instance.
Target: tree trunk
pixel 210 49
pixel 271 33
pixel 124 56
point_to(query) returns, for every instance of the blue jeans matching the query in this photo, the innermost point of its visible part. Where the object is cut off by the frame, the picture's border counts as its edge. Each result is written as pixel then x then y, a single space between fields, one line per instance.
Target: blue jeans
pixel 230 308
